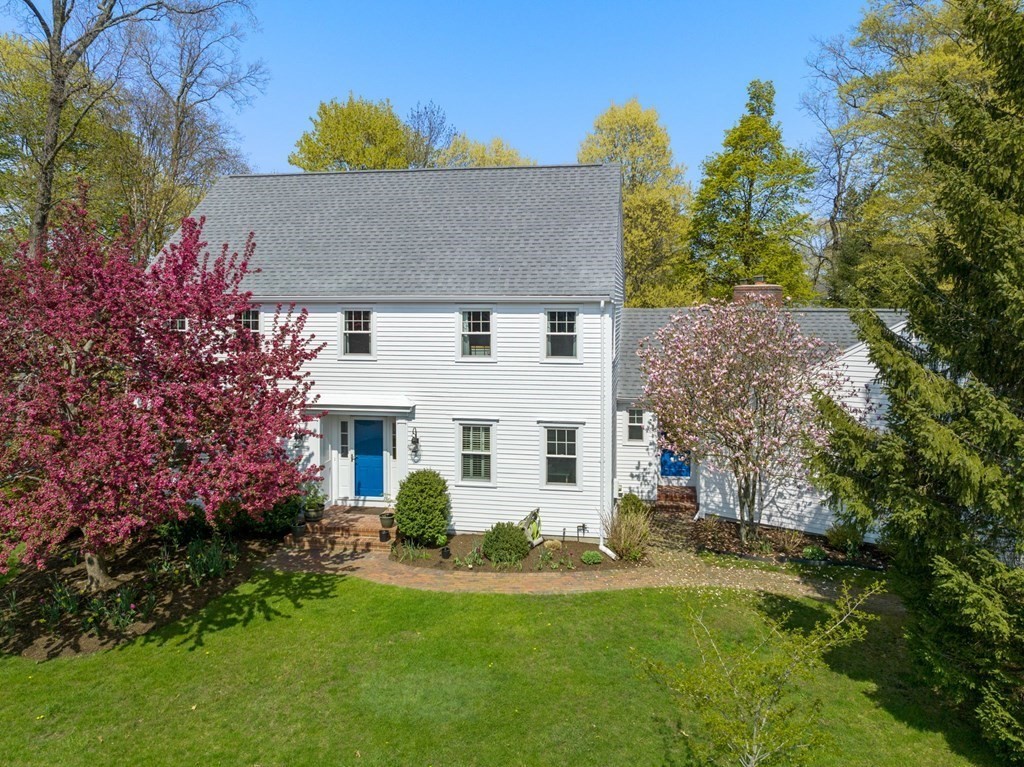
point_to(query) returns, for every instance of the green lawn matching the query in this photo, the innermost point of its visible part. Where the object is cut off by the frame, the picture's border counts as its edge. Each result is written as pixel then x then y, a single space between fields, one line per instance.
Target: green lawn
pixel 320 670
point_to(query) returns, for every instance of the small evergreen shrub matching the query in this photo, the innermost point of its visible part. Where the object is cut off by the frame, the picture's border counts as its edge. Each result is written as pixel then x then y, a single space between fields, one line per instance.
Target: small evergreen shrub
pixel 846 537
pixel 631 503
pixel 423 508
pixel 506 544
pixel 591 557
pixel 815 553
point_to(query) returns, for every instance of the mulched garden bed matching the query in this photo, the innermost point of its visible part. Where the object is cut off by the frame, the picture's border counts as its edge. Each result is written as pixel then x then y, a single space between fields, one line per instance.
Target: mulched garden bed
pixel 722 536
pixel 555 556
pixel 47 613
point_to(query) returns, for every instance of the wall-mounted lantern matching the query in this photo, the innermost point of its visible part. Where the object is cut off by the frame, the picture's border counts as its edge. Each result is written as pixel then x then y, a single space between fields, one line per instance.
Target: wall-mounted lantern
pixel 414 444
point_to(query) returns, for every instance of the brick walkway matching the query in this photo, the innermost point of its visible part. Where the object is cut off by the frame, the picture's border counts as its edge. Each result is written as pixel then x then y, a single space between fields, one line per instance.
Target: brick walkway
pixel 669 569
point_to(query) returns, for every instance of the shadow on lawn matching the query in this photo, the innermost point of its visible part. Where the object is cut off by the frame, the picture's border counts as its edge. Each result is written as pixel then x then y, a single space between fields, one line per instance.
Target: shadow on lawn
pixel 259 599
pixel 883 659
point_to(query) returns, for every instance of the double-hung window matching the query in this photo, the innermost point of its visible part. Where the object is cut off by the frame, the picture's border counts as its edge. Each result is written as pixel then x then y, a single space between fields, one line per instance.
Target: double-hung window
pixel 249 319
pixel 357 339
pixel 476 333
pixel 560 455
pixel 636 425
pixel 561 334
pixel 476 453
pixel 179 324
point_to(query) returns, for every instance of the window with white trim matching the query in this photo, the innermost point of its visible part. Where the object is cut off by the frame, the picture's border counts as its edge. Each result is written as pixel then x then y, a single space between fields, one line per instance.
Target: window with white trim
pixel 560 455
pixel 343 440
pixel 561 334
pixel 394 440
pixel 249 319
pixel 476 333
pixel 357 331
pixel 476 453
pixel 179 324
pixel 636 425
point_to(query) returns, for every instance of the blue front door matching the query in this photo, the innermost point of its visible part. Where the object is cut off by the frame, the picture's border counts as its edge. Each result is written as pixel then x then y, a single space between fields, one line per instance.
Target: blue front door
pixel 369 447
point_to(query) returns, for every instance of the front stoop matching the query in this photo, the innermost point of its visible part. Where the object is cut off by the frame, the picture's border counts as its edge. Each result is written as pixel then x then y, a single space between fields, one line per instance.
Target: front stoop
pixel 343 531
pixel 678 500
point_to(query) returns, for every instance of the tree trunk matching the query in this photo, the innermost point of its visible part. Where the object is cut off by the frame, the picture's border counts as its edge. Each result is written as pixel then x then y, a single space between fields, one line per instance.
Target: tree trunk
pixel 43 199
pixel 97 577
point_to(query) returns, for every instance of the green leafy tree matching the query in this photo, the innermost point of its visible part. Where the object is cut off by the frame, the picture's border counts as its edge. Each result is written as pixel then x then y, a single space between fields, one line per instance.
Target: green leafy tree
pixel 748 702
pixel 654 198
pixel 464 152
pixel 355 135
pixel 946 474
pixel 882 88
pixel 99 149
pixel 746 216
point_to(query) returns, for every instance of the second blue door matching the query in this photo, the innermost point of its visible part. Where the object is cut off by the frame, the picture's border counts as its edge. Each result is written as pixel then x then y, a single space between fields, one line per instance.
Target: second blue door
pixel 369 447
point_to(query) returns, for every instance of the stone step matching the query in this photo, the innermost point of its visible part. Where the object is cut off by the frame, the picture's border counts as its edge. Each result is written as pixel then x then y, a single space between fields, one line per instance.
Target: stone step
pixel 333 544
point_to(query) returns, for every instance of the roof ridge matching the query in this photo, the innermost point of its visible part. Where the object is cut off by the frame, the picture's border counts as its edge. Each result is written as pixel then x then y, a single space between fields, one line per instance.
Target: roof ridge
pixel 369 171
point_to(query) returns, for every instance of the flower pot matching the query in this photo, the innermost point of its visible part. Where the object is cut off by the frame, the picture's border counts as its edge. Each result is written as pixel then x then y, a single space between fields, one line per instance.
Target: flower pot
pixel 315 514
pixel 385 535
pixel 298 530
pixel 387 519
pixel 446 552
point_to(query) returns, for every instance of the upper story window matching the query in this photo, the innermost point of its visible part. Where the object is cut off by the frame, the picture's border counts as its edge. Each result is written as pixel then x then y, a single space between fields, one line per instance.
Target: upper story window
pixel 476 453
pixel 561 333
pixel 357 332
pixel 249 319
pixel 560 456
pixel 476 333
pixel 636 424
pixel 179 324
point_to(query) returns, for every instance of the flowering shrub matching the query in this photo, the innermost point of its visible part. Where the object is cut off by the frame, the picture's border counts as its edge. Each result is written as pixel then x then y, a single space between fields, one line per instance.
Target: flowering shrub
pixel 735 384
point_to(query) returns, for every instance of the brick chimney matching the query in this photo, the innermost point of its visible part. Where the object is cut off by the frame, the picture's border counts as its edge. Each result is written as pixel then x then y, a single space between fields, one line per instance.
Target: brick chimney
pixel 756 289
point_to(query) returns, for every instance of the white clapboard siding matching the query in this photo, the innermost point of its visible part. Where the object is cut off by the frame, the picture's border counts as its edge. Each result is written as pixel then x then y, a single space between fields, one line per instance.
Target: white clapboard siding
pixel 798 504
pixel 638 463
pixel 416 356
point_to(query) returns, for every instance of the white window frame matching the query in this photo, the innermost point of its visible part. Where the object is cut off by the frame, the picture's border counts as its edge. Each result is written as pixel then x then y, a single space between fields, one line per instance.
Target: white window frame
pixel 492 424
pixel 179 324
pixel 246 317
pixel 342 324
pixel 630 424
pixel 544 358
pixel 459 333
pixel 579 429
pixel 548 334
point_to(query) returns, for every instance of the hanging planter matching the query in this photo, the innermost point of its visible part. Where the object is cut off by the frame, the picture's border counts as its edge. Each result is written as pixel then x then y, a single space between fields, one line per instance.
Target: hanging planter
pixel 387 519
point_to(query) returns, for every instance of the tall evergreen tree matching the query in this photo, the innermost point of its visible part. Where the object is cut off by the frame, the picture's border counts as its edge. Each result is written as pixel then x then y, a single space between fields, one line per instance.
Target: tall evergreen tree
pixel 746 216
pixel 946 475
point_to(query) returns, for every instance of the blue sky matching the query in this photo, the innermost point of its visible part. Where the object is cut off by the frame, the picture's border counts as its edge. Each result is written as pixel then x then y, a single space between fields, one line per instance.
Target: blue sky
pixel 538 73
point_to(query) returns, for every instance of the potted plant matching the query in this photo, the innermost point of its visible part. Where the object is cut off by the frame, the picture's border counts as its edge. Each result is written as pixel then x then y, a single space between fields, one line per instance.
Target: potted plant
pixel 387 517
pixel 313 505
pixel 299 523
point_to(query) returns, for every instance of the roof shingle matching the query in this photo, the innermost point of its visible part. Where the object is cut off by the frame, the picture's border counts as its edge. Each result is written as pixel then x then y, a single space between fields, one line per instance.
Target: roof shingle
pixel 531 231
pixel 833 326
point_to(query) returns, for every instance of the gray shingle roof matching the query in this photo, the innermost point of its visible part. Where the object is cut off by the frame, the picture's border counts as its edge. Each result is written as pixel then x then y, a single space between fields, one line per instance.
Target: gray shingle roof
pixel 533 231
pixel 833 326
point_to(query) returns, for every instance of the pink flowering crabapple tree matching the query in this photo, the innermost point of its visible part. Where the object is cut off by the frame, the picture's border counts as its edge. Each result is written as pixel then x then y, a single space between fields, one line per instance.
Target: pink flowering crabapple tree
pixel 734 384
pixel 130 396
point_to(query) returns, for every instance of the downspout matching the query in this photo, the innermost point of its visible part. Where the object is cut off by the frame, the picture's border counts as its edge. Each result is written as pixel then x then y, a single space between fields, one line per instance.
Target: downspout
pixel 606 482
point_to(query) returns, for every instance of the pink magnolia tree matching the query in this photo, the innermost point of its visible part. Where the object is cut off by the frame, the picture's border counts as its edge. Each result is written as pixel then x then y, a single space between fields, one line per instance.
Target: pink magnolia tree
pixel 132 396
pixel 734 384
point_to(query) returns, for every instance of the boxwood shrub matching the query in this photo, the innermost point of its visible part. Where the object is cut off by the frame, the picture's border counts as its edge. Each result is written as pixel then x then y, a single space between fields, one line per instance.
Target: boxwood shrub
pixel 423 508
pixel 506 544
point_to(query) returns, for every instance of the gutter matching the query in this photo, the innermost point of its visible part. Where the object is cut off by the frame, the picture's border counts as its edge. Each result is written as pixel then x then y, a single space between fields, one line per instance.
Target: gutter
pixel 428 299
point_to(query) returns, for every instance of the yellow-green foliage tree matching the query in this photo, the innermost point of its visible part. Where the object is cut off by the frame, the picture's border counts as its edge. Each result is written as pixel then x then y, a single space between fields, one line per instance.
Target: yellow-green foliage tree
pixel 747 215
pixel 654 198
pixel 97 150
pixel 885 82
pixel 357 134
pixel 464 152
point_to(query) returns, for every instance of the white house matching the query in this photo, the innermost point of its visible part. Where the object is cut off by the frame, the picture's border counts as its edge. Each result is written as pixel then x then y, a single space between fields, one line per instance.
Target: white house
pixel 473 324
